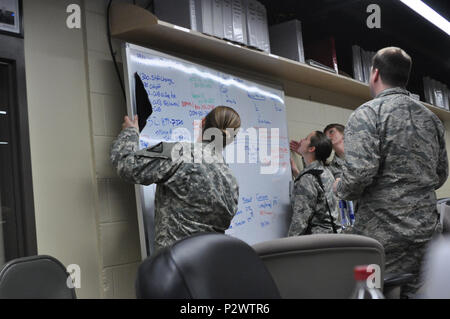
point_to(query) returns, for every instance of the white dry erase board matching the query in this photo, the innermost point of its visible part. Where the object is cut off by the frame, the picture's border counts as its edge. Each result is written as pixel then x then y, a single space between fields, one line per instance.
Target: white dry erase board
pixel 182 93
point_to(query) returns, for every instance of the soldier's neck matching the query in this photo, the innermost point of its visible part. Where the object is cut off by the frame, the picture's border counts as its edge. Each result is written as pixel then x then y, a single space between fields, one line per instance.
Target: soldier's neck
pixel 339 150
pixel 308 159
pixel 380 88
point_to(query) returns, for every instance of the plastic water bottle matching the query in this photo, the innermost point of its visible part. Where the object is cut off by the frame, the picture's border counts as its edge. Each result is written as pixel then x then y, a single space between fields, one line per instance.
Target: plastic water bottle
pixel 351 212
pixel 345 223
pixel 362 289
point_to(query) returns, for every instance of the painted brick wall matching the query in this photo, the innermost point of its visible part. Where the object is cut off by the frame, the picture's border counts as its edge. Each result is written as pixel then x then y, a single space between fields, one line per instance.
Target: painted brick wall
pixel 117 226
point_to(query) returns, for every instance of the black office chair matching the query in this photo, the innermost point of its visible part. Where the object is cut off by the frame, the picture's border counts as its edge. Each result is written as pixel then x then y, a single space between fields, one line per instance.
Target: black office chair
pixel 36 277
pixel 205 266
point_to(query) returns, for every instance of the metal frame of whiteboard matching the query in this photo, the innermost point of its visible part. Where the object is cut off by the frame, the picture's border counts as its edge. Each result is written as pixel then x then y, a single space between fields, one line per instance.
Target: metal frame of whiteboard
pixel 139 189
pixel 145 209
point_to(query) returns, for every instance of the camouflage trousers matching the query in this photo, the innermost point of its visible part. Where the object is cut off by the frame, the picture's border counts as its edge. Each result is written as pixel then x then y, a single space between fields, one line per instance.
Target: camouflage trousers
pixel 403 259
pixel 408 258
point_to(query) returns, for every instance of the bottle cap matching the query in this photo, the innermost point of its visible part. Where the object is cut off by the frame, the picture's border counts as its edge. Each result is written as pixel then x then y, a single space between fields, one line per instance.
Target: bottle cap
pixel 362 273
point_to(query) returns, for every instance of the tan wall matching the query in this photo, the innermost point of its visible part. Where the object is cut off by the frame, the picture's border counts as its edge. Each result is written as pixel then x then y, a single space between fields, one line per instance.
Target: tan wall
pixel 60 139
pixel 84 214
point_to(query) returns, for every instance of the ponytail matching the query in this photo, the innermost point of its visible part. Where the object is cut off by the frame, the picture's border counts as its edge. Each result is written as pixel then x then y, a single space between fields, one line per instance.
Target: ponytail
pixel 226 120
pixel 322 146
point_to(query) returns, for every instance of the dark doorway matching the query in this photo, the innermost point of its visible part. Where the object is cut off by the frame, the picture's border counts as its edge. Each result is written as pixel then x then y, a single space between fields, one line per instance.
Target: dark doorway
pixel 17 221
pixel 9 247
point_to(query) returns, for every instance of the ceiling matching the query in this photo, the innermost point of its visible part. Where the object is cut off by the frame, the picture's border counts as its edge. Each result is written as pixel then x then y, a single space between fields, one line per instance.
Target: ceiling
pixel 345 20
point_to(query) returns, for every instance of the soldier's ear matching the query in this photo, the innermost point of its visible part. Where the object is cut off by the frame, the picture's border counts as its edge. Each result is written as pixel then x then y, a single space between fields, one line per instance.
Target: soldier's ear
pixel 376 74
pixel 312 149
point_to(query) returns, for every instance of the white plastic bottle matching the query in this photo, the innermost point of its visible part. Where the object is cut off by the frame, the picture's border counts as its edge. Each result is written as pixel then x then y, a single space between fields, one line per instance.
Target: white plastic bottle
pixel 363 290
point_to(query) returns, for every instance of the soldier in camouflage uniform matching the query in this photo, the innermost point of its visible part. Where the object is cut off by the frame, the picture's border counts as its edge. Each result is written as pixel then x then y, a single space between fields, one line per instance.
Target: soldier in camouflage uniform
pixel 335 132
pixel 192 195
pixel 313 202
pixel 395 160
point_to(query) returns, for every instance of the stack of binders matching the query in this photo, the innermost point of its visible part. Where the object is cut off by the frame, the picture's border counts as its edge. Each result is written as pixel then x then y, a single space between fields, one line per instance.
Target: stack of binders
pixel 241 21
pixel 436 93
pixel 362 63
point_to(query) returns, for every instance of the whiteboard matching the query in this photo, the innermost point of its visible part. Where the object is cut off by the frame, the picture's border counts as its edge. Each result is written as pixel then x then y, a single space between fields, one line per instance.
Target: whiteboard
pixel 182 93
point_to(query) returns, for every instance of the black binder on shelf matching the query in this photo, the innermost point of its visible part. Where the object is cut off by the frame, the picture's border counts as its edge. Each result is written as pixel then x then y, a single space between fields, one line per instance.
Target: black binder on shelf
pixel 143 106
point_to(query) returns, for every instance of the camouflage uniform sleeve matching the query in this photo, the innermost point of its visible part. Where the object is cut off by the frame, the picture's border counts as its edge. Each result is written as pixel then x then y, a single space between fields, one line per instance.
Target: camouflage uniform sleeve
pixel 362 154
pixel 442 167
pixel 147 166
pixel 303 201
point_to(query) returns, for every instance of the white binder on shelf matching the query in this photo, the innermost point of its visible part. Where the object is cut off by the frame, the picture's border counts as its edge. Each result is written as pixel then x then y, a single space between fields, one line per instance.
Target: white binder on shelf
pixel 252 23
pixel 207 16
pixel 227 18
pixel 263 28
pixel 239 22
pixel 217 18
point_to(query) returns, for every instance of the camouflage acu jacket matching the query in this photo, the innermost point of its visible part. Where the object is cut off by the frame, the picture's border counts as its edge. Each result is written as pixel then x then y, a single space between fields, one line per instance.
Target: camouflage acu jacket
pixel 335 166
pixel 395 159
pixel 192 195
pixel 309 203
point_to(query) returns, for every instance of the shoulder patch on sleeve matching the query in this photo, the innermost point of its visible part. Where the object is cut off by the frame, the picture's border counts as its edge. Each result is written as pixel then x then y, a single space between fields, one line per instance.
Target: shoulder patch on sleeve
pixel 172 149
pixel 158 148
pixel 163 150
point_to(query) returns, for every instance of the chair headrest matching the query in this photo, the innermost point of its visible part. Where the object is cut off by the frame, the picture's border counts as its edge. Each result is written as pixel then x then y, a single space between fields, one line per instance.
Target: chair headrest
pixel 36 277
pixel 317 242
pixel 209 266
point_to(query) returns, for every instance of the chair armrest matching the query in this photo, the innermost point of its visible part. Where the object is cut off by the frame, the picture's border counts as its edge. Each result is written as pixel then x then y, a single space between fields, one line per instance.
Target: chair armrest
pixel 396 280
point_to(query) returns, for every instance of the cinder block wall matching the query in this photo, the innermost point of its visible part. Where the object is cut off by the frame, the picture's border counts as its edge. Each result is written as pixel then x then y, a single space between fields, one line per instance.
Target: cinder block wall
pixel 117 219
